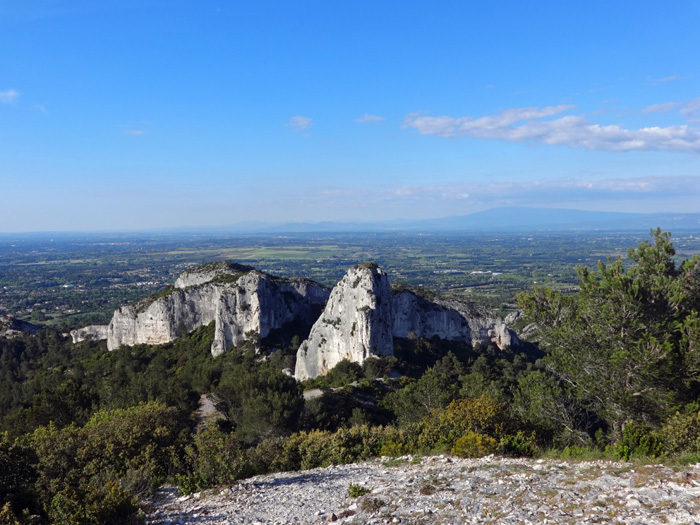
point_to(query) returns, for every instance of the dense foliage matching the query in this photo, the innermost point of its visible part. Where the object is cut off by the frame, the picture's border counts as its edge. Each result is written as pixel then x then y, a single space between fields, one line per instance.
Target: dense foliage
pixel 627 346
pixel 86 434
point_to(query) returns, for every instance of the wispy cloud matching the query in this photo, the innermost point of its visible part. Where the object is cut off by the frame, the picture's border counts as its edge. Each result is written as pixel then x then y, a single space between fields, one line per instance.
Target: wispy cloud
pixel 665 106
pixel 9 96
pixel 663 79
pixel 692 110
pixel 527 125
pixel 133 132
pixel 501 193
pixel 299 123
pixel 369 118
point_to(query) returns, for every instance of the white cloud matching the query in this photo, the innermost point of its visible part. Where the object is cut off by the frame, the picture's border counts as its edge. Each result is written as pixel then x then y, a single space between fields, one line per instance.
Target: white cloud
pixel 133 132
pixel 665 106
pixel 527 125
pixel 369 118
pixel 692 110
pixel 9 96
pixel 299 123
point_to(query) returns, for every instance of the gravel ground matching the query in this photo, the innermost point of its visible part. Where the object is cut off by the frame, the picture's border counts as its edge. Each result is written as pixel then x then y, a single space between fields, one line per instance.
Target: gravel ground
pixel 448 490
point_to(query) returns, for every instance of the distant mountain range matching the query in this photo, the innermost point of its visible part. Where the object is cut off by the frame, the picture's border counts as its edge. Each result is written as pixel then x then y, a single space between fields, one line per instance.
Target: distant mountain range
pixel 506 219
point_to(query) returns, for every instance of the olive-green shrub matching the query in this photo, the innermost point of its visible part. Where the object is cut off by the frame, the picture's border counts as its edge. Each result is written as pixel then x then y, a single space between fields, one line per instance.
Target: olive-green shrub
pixel 474 445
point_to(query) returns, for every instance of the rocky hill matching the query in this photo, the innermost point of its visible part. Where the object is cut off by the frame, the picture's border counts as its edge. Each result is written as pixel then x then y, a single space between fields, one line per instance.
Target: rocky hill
pixel 243 302
pixel 357 323
pixel 363 315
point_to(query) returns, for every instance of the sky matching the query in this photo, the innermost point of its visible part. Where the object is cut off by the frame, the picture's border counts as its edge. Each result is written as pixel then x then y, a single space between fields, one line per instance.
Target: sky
pixel 142 114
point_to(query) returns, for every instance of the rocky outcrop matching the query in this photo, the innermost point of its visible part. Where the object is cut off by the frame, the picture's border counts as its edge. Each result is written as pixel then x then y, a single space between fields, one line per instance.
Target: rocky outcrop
pixel 259 303
pixel 356 323
pixel 241 301
pixel 228 271
pixel 10 326
pixel 448 319
pixel 415 316
pixel 95 332
pixel 360 319
pixel 363 315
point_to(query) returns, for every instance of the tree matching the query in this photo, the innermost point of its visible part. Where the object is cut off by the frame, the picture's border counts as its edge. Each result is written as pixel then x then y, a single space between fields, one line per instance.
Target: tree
pixel 258 399
pixel 629 343
pixel 436 388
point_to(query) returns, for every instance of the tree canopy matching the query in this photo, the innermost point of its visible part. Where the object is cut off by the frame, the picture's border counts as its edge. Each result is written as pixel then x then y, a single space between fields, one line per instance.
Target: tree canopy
pixel 628 344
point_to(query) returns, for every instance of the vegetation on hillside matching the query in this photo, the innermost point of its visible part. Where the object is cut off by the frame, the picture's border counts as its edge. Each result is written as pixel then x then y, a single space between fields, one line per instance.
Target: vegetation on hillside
pixel 86 434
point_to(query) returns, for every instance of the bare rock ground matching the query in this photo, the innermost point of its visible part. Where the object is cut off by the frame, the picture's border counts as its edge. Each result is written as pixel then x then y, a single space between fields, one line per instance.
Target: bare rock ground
pixel 447 490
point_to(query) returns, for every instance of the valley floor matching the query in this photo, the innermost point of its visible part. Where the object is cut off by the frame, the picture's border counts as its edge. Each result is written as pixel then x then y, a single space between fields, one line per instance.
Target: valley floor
pixel 448 490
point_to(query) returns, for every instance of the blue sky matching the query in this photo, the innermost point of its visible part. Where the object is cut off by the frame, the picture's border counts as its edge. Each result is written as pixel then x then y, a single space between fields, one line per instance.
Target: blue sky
pixel 154 113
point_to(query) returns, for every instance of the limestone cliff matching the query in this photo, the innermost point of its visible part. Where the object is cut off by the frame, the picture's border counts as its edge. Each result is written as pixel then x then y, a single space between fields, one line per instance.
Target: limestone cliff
pixel 241 301
pixel 356 323
pixel 483 326
pixel 363 315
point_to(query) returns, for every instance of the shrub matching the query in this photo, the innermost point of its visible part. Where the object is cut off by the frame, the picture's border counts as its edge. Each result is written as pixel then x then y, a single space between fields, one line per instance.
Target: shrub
pixel 17 476
pixel 473 445
pixel 372 504
pixel 355 490
pixel 681 433
pixel 393 449
pixel 638 441
pixel 443 427
pixel 307 450
pixel 518 445
pixel 214 458
pixel 78 466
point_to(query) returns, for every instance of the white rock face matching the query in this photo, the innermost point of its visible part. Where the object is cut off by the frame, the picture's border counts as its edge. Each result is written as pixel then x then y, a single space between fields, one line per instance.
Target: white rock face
pixel 423 318
pixel 356 323
pixel 483 328
pixel 241 305
pixel 259 303
pixel 362 317
pixel 96 332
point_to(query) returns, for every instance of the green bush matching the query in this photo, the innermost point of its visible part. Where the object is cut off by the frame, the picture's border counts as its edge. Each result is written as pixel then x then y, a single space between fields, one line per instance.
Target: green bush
pixel 95 473
pixel 681 433
pixel 518 445
pixel 214 458
pixel 355 490
pixel 473 445
pixel 442 428
pixel 638 441
pixel 307 450
pixel 393 449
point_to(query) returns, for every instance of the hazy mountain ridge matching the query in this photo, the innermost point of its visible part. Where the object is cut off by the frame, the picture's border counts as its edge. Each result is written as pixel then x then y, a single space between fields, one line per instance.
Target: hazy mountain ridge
pixel 510 219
